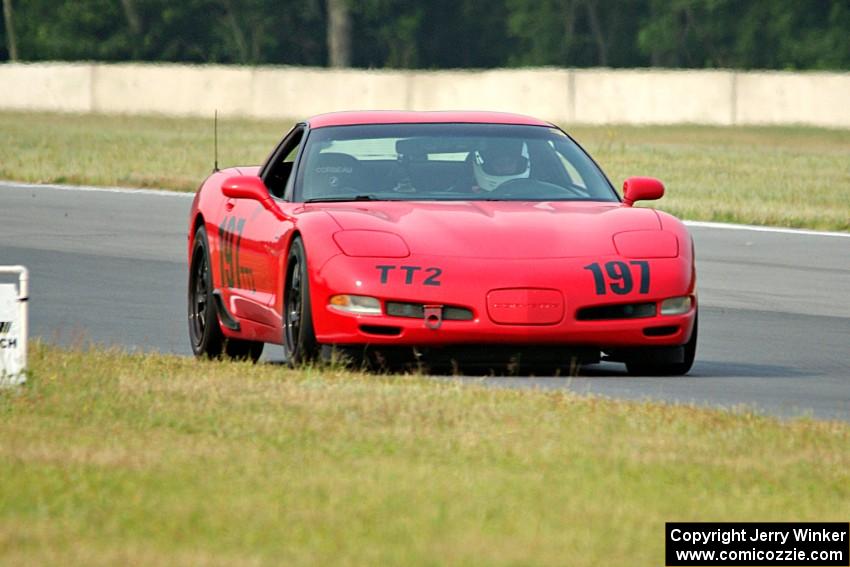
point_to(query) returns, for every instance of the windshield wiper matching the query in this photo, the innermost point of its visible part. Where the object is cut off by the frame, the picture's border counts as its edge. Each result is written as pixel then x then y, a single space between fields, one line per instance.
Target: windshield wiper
pixel 347 198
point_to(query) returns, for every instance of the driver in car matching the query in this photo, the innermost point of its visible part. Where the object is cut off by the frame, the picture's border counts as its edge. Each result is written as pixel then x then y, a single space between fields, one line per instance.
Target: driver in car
pixel 497 162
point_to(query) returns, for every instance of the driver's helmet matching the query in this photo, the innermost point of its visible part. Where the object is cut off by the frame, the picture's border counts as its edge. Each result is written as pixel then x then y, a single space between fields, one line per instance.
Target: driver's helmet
pixel 498 161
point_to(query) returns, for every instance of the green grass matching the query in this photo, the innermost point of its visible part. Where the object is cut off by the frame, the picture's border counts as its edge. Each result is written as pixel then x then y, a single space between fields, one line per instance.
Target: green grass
pixel 784 176
pixel 781 176
pixel 109 458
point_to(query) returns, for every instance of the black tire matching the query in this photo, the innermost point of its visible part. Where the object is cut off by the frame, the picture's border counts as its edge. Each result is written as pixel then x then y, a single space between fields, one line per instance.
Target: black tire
pixel 646 368
pixel 205 333
pixel 299 337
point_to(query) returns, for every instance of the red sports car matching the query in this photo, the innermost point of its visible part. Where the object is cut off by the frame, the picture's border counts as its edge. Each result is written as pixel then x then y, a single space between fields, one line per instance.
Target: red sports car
pixel 453 236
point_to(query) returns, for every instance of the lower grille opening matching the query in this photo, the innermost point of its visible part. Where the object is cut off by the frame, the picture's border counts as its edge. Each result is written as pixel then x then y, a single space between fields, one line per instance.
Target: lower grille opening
pixel 381 330
pixel 661 331
pixel 622 311
pixel 417 311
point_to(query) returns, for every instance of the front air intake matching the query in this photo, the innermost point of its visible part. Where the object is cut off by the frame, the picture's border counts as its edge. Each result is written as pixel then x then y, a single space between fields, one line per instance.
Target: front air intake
pixel 622 311
pixel 383 330
pixel 661 331
pixel 417 311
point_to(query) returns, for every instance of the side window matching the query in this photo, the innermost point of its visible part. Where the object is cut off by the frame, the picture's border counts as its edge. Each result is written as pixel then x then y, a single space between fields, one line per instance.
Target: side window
pixel 279 176
pixel 288 164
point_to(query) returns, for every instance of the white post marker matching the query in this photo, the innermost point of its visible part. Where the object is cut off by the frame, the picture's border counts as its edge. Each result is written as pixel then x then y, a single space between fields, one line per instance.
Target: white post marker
pixel 13 326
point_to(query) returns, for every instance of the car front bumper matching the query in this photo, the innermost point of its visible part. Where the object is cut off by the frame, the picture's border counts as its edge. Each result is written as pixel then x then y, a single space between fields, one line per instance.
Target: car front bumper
pixel 468 283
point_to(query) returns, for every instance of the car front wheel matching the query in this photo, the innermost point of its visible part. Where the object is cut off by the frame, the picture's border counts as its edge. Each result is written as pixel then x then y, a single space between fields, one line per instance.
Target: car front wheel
pixel 298 335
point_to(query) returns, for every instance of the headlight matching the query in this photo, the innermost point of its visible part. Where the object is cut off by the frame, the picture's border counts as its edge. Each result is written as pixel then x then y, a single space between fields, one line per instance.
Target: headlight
pixel 676 305
pixel 356 304
pixel 371 244
pixel 646 244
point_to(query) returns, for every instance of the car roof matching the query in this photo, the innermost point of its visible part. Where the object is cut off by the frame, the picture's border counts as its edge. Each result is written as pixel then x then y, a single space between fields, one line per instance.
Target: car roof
pixel 350 118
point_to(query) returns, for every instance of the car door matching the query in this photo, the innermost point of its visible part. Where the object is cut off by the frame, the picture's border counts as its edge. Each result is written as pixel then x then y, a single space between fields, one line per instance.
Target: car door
pixel 251 238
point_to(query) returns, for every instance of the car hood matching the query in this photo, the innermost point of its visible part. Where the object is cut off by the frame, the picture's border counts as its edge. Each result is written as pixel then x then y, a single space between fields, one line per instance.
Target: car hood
pixel 497 229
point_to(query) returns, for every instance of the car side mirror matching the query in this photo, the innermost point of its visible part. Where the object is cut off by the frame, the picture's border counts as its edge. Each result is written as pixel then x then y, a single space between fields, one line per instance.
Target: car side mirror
pixel 641 189
pixel 252 187
pixel 245 187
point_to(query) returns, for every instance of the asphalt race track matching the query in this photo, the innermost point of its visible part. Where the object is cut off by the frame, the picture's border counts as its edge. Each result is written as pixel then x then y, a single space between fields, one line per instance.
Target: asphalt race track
pixel 109 266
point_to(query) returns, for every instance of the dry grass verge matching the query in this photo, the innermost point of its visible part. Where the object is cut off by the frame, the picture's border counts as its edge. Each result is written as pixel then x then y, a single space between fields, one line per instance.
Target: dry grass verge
pixel 148 459
pixel 783 176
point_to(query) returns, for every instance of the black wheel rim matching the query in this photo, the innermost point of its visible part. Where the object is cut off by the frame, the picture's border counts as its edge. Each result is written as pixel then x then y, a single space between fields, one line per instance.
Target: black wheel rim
pixel 200 296
pixel 293 308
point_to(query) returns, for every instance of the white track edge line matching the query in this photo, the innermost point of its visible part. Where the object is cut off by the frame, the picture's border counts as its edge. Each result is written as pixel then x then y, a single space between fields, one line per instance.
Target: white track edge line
pixel 91 188
pixel 170 193
pixel 755 228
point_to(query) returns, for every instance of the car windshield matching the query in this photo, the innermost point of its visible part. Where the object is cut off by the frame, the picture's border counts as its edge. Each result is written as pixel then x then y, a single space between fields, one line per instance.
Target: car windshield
pixel 447 162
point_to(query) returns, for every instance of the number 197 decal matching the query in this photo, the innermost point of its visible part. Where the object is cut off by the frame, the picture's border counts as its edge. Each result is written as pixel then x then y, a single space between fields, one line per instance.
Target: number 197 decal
pixel 620 278
pixel 233 273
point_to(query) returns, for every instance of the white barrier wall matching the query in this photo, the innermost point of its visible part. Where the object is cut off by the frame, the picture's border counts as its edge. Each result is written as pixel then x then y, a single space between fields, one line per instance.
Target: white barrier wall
pixel 654 97
pixel 179 90
pixel 592 96
pixel 296 92
pixel 793 98
pixel 540 92
pixel 61 87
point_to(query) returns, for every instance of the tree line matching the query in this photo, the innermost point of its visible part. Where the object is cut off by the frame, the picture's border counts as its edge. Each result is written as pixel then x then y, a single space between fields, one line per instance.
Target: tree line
pixel 742 34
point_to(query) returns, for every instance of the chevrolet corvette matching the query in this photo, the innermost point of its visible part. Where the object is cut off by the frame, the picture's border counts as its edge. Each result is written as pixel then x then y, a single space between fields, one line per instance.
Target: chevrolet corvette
pixel 451 236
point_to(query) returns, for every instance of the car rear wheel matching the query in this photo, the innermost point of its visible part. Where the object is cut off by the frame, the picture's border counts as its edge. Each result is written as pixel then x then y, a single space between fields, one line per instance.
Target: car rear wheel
pixel 299 337
pixel 205 334
pixel 644 367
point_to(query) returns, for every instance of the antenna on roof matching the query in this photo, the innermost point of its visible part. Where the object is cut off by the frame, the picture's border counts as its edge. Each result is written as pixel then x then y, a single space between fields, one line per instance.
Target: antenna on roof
pixel 215 140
